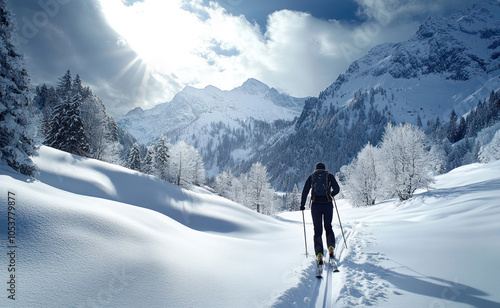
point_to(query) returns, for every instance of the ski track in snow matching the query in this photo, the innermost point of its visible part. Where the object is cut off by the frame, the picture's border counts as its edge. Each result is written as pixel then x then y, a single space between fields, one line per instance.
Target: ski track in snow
pixel 360 280
pixel 361 283
pixel 356 284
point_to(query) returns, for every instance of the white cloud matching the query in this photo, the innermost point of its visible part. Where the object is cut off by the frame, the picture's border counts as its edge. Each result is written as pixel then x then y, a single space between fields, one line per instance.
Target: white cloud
pixel 186 43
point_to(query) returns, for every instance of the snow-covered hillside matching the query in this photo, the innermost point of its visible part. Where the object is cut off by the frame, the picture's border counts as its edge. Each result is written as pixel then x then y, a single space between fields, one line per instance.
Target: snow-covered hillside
pixel 217 122
pixel 91 234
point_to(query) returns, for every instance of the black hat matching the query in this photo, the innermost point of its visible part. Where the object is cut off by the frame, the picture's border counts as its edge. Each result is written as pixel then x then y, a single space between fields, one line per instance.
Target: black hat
pixel 320 166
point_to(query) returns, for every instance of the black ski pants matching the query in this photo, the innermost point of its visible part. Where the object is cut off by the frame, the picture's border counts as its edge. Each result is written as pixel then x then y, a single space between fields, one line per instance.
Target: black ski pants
pixel 322 214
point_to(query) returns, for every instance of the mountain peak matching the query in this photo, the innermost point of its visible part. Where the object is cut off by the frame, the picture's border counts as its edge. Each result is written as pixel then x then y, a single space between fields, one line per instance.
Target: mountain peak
pixel 254 86
pixel 137 111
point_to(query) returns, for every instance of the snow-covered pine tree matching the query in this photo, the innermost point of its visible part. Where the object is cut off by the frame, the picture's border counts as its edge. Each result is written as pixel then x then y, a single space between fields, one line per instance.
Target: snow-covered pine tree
pixel 45 100
pixel 66 130
pixel 293 200
pixel 162 158
pixel 134 158
pixel 149 161
pixel 77 85
pixel 452 127
pixel 16 128
pixel 65 86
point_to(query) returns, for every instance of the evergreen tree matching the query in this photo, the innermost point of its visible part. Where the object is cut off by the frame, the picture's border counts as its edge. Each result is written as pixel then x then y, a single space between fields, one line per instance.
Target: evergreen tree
pixel 66 130
pixel 16 127
pixel 134 158
pixel 452 132
pixel 462 129
pixel 77 86
pixel 419 121
pixel 148 165
pixel 293 200
pixel 65 86
pixel 161 158
pixel 45 100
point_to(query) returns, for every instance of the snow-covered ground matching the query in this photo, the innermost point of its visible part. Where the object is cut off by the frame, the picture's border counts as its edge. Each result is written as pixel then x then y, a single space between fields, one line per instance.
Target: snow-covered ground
pixel 92 234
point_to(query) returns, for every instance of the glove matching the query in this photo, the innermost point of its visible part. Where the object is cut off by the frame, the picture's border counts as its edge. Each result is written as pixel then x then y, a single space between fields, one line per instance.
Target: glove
pixel 302 207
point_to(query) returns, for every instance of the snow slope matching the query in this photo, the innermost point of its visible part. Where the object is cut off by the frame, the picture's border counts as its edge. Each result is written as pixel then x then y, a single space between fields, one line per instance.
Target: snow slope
pixel 439 249
pixel 92 234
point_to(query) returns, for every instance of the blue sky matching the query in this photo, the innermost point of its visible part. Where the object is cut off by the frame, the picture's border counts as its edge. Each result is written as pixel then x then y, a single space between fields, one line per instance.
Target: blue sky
pixel 141 53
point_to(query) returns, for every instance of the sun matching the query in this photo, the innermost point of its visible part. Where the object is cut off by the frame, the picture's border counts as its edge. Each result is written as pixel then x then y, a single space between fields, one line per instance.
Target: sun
pixel 164 36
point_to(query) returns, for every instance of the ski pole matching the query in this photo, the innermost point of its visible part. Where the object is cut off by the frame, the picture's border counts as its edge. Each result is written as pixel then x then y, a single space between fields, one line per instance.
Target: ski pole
pixel 340 222
pixel 305 238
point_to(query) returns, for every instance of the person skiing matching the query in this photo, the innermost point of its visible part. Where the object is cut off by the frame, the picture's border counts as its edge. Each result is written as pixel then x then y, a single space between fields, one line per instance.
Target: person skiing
pixel 324 187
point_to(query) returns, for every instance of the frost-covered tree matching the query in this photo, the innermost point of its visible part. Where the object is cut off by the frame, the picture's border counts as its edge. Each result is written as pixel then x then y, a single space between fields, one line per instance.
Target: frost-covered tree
pixel 252 189
pixel 186 165
pixel 363 177
pixel 199 173
pixel 101 129
pixel 491 151
pixel 134 158
pixel 259 187
pixel 406 163
pixel 16 127
pixel 66 129
pixel 223 184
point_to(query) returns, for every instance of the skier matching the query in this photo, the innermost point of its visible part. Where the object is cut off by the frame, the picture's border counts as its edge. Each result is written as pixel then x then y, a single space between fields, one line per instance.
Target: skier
pixel 324 188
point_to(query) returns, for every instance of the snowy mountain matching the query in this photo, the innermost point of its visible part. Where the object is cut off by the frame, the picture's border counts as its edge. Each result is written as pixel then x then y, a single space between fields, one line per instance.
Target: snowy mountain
pixel 93 234
pixel 224 125
pixel 450 63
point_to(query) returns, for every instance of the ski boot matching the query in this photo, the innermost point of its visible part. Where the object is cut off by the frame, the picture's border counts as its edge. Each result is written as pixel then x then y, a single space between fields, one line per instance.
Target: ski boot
pixel 319 265
pixel 319 258
pixel 330 250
